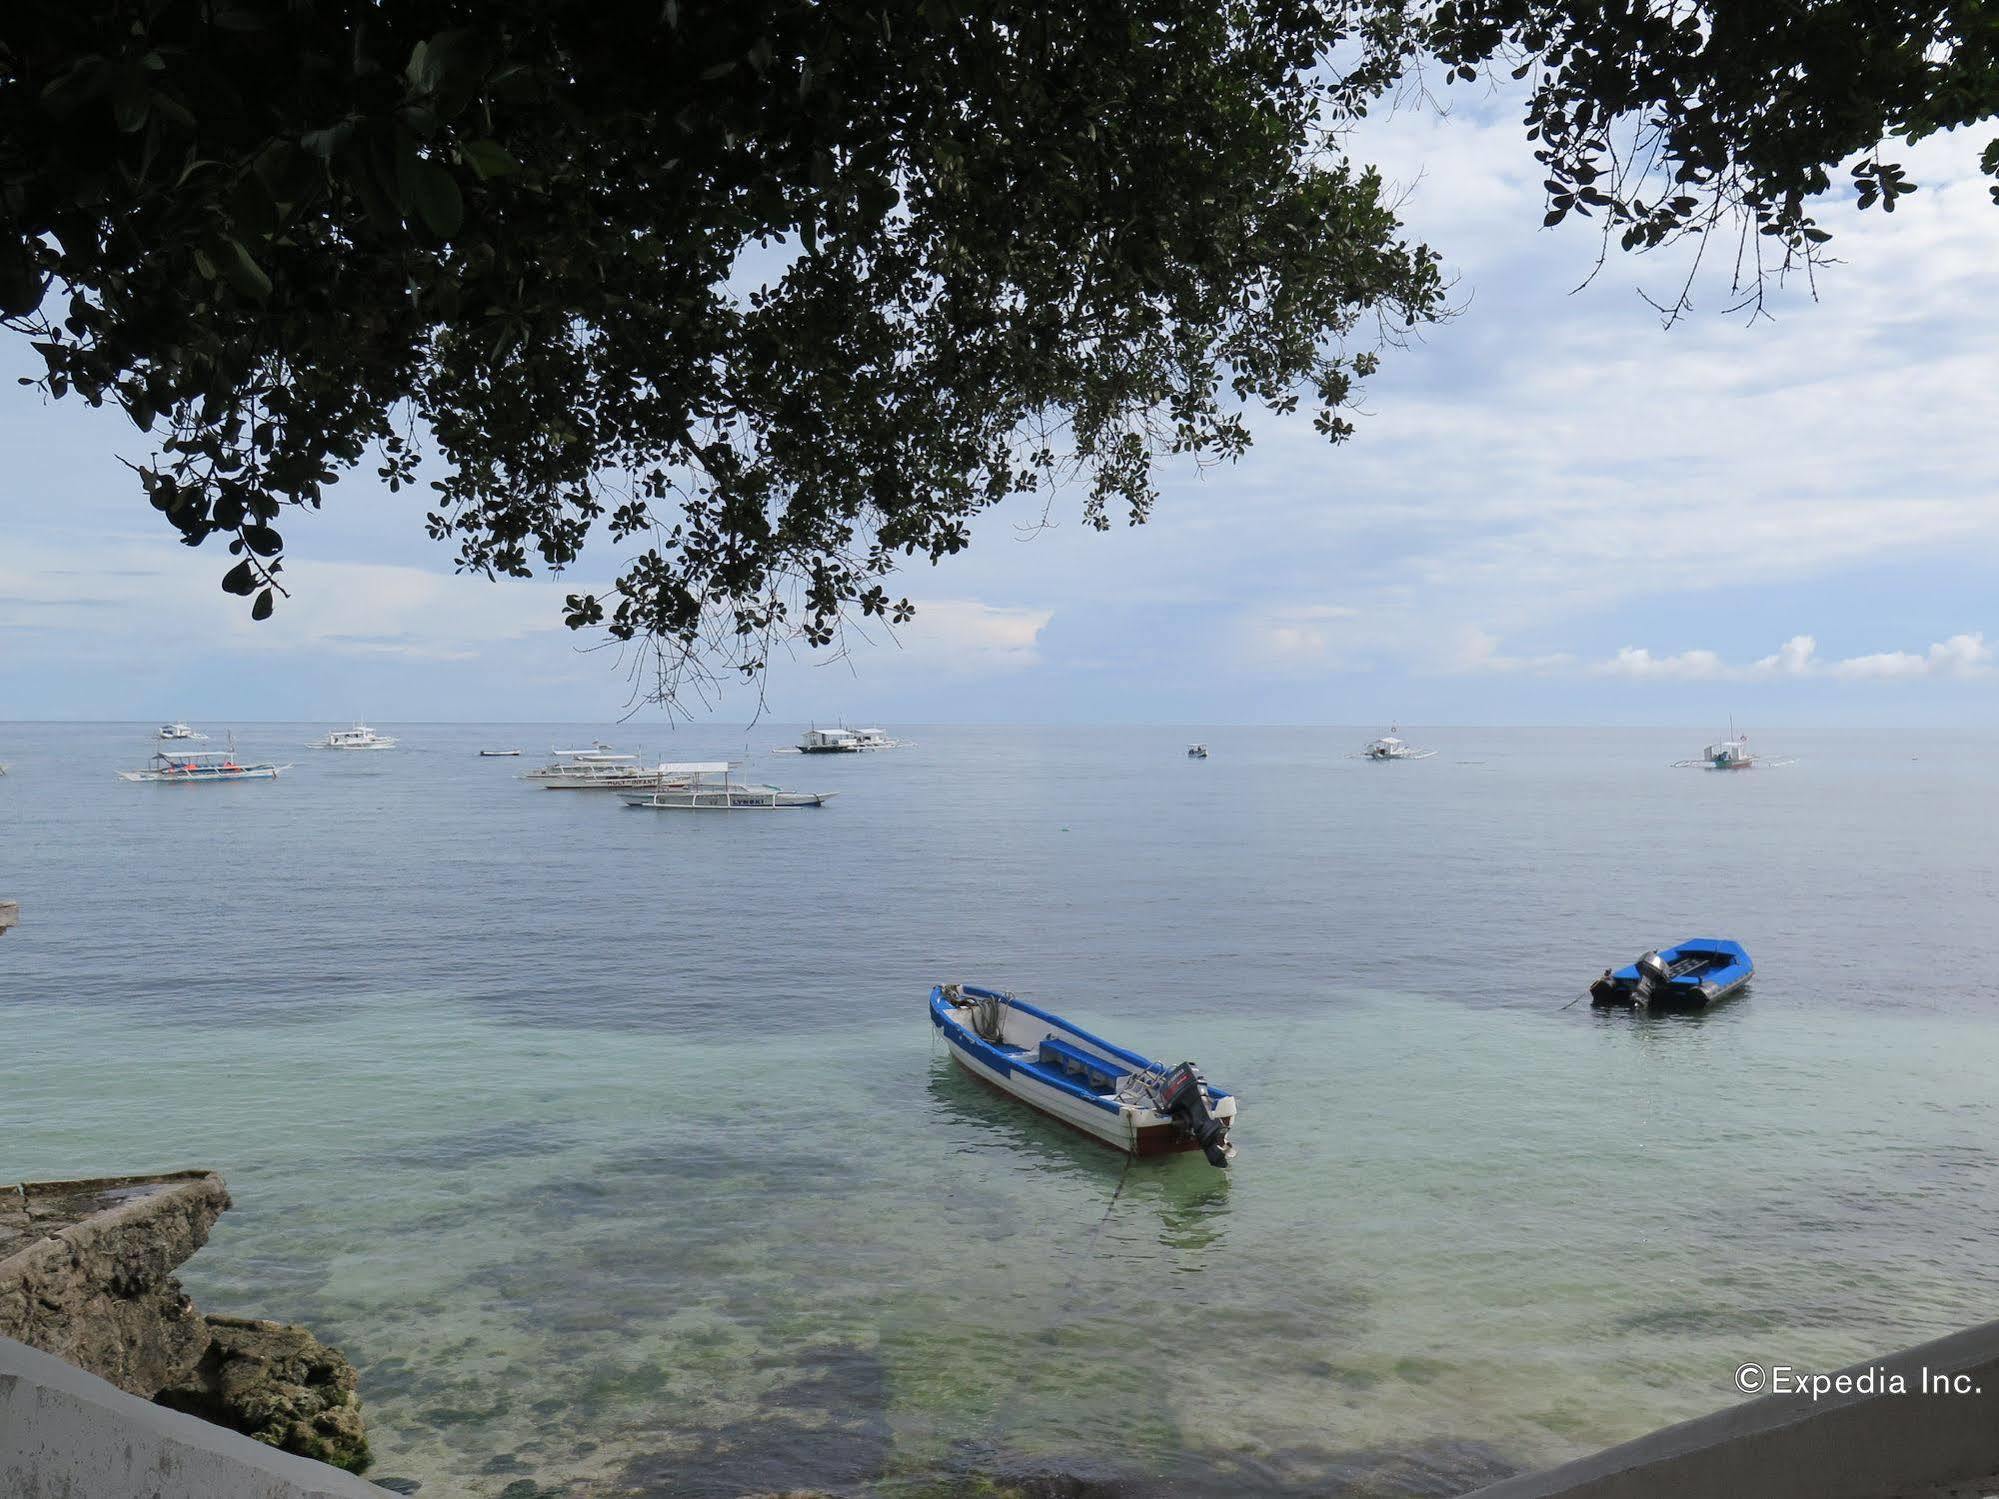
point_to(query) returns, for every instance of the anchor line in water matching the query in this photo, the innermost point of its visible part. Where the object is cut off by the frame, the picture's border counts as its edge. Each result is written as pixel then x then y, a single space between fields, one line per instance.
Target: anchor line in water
pixel 1090 1249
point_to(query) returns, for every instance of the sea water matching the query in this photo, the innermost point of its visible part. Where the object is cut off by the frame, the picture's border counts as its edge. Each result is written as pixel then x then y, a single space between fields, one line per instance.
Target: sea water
pixel 614 1147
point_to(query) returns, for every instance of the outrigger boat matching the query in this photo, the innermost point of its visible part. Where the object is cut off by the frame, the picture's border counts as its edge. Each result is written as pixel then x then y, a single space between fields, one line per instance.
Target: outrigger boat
pixel 599 768
pixel 818 741
pixel 498 754
pixel 201 765
pixel 1699 972
pixel 179 731
pixel 360 737
pixel 1113 1095
pixel 1732 753
pixel 1388 747
pixel 1197 752
pixel 843 741
pixel 693 786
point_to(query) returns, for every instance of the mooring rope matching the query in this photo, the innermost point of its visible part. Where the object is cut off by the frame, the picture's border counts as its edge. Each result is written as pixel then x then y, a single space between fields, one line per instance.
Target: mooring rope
pixel 1068 1296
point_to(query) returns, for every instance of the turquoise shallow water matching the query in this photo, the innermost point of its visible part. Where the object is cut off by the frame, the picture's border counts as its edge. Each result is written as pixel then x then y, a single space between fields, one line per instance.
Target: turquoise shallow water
pixel 614 1148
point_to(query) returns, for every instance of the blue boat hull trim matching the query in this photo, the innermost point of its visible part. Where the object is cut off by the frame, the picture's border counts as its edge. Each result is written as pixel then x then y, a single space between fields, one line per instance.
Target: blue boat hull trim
pixel 1691 975
pixel 1071 1076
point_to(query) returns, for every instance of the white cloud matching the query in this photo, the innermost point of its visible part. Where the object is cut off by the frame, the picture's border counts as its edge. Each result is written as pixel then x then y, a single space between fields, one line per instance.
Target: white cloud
pixel 1959 656
pixel 1297 634
pixel 1687 666
pixel 1793 658
pixel 147 588
pixel 1479 651
pixel 967 637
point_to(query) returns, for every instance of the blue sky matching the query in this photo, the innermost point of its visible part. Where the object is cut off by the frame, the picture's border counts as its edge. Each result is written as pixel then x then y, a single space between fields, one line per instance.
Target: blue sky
pixel 1554 512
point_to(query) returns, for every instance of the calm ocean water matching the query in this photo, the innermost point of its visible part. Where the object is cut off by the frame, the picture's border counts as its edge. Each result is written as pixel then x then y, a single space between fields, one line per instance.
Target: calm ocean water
pixel 614 1148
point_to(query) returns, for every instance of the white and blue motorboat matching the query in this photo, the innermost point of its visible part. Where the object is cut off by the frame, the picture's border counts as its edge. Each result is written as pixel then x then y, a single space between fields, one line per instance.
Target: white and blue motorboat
pixel 1697 973
pixel 1105 1091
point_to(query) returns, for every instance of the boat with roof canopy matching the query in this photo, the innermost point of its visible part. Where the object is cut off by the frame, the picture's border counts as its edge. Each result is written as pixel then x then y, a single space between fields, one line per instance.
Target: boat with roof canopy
pixel 1732 753
pixel 360 737
pixel 710 786
pixel 178 767
pixel 1390 747
pixel 599 768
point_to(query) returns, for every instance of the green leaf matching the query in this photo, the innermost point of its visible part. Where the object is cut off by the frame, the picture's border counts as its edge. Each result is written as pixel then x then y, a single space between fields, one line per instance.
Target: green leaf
pixel 240 579
pixel 326 144
pixel 435 196
pixel 242 272
pixel 261 610
pixel 488 158
pixel 421 74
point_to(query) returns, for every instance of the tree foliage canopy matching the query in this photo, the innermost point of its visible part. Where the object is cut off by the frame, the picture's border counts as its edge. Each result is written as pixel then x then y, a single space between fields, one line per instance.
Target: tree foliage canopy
pixel 776 293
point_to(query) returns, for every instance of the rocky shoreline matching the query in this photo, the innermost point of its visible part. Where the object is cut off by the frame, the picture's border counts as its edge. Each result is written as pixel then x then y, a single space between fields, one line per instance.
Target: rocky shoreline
pixel 86 1274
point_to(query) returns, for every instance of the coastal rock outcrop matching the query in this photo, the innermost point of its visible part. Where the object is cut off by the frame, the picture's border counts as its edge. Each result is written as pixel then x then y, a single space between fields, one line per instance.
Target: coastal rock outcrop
pixel 86 1273
pixel 278 1383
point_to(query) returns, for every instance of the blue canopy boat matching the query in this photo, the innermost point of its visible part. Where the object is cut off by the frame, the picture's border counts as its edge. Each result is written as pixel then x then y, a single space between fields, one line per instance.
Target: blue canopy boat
pixel 1113 1095
pixel 1697 973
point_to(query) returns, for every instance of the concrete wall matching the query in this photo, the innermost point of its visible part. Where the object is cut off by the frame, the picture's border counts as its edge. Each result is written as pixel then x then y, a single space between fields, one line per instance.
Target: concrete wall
pixel 65 1434
pixel 1789 1446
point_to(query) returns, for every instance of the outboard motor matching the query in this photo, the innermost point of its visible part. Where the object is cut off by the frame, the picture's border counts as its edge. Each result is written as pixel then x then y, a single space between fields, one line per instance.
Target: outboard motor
pixel 1185 1097
pixel 1654 975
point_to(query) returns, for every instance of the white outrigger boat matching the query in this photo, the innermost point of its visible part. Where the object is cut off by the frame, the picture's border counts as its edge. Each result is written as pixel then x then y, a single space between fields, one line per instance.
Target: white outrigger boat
pixel 1388 747
pixel 818 741
pixel 599 768
pixel 176 731
pixel 1732 753
pixel 1197 752
pixel 360 737
pixel 843 741
pixel 1113 1095
pixel 708 786
pixel 186 766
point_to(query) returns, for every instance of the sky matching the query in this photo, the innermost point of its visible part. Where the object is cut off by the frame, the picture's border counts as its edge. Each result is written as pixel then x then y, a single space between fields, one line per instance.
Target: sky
pixel 1554 512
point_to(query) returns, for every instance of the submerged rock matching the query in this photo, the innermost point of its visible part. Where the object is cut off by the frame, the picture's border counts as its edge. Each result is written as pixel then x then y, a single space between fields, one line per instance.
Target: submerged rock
pixel 278 1383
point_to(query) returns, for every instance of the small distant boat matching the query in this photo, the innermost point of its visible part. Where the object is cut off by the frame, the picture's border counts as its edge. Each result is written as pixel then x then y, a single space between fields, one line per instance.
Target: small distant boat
pixel 1697 973
pixel 497 754
pixel 1113 1095
pixel 599 768
pixel 1197 752
pixel 360 737
pixel 708 786
pixel 1389 747
pixel 182 766
pixel 173 731
pixel 1732 753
